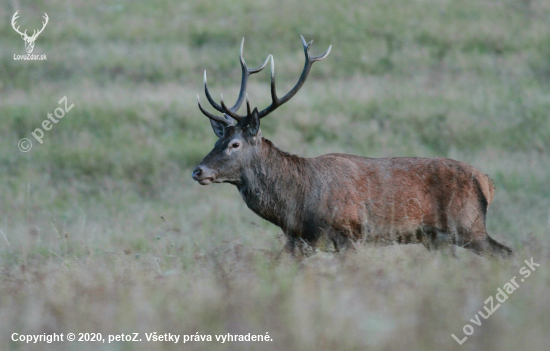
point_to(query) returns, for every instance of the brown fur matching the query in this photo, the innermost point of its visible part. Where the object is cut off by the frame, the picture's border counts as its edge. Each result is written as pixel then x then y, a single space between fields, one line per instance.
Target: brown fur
pixel 433 201
pixel 350 198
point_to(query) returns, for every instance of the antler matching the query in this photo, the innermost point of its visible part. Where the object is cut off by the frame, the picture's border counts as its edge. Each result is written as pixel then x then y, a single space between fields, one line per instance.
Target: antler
pixel 13 19
pixel 34 34
pixel 221 120
pixel 276 102
pixel 43 26
pixel 246 72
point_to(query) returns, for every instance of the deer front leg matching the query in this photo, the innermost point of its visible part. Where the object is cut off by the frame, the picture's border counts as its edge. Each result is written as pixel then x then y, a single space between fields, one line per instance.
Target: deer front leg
pixel 289 249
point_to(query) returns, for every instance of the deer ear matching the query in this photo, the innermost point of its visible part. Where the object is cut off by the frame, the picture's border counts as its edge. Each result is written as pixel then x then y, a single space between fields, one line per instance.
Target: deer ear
pixel 253 122
pixel 219 128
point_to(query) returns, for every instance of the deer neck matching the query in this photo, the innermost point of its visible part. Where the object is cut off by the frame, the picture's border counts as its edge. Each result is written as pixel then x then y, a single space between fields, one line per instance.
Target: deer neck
pixel 274 184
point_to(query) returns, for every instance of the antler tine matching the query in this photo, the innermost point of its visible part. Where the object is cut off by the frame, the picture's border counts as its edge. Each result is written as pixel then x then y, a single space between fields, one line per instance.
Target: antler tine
pixel 306 49
pixel 210 100
pixel 228 111
pixel 276 102
pixel 46 18
pixel 13 23
pixel 247 106
pixel 37 32
pixel 246 72
pixel 14 18
pixel 211 116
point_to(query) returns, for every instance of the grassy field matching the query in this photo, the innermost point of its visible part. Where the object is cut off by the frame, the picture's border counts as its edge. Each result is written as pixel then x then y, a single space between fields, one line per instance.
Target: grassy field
pixel 102 229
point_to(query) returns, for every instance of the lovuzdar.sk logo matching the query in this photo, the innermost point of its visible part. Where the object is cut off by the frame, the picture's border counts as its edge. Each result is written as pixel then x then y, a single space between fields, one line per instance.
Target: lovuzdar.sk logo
pixel 29 40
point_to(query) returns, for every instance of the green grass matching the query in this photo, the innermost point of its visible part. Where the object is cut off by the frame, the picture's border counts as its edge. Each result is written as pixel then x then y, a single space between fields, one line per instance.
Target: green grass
pixel 103 229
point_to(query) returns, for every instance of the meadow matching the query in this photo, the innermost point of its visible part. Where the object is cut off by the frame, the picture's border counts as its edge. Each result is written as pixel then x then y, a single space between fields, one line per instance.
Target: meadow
pixel 103 230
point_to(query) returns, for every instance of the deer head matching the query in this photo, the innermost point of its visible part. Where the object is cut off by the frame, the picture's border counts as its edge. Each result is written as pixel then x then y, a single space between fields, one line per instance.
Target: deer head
pixel 29 41
pixel 239 144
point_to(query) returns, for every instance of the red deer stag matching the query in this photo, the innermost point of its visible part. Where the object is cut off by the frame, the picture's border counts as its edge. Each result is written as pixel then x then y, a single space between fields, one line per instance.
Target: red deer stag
pixel 345 198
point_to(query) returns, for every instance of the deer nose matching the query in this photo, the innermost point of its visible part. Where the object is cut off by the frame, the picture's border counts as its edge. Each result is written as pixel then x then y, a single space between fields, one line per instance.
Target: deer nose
pixel 197 173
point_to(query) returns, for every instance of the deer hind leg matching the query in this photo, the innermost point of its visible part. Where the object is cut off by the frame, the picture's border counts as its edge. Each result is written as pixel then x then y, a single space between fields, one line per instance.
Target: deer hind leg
pixel 488 246
pixel 478 241
pixel 435 239
pixel 478 246
pixel 341 241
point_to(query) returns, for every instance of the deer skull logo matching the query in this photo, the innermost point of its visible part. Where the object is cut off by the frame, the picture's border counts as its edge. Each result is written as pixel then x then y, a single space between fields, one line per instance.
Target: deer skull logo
pixel 29 41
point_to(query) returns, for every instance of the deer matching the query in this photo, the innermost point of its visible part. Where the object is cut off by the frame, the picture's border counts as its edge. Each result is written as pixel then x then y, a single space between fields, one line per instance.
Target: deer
pixel 29 41
pixel 347 199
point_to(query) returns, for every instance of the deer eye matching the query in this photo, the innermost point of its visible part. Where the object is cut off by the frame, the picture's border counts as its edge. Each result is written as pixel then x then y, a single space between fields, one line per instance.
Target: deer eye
pixel 235 145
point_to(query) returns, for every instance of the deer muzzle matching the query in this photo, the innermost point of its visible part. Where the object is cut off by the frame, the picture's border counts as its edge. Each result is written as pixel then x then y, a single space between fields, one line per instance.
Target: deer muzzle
pixel 203 175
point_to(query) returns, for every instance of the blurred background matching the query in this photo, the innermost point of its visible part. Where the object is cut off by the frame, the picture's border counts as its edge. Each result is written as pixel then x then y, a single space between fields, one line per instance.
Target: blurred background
pixel 103 229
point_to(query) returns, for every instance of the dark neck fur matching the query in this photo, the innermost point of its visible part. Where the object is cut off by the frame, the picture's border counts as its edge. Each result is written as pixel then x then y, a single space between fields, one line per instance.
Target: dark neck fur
pixel 275 184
